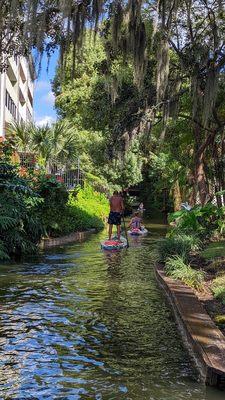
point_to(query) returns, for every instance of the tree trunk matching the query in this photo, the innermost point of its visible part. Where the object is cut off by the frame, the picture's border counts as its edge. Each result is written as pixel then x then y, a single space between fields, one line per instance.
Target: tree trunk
pixel 193 194
pixel 177 199
pixel 201 178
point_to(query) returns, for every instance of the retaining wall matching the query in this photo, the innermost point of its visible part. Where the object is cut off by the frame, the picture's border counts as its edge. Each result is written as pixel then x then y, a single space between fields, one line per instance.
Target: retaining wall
pixel 204 340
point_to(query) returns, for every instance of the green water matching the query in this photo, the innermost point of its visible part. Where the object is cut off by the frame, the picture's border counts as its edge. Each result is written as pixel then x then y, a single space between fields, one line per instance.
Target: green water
pixel 79 323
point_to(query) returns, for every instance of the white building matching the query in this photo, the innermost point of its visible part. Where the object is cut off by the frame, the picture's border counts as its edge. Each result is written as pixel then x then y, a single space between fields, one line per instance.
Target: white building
pixel 16 93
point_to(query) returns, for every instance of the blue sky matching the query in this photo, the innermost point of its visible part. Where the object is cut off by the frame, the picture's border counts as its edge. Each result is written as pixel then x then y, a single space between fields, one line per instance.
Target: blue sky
pixel 44 111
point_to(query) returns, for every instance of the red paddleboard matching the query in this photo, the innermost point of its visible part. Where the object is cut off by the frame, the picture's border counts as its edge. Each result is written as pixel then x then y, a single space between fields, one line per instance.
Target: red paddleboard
pixel 114 244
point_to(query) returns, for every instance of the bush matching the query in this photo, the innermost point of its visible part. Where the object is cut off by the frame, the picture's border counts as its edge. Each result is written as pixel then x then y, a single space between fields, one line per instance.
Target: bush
pixel 88 209
pixel 177 268
pixel 218 288
pixel 200 221
pixel 181 245
pixel 53 209
pixel 20 227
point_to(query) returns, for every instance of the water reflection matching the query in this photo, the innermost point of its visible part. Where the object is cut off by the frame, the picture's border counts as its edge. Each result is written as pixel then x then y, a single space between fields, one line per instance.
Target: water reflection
pixel 88 324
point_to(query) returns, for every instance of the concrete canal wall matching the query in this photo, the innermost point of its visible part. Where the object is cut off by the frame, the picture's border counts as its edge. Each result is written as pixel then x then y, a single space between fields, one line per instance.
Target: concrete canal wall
pixel 204 340
pixel 48 243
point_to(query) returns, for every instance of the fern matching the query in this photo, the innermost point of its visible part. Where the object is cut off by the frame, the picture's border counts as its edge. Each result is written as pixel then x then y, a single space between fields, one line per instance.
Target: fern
pixel 6 222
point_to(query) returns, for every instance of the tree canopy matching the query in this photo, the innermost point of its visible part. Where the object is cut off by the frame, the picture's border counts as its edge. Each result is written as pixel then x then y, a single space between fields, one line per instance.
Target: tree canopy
pixel 156 75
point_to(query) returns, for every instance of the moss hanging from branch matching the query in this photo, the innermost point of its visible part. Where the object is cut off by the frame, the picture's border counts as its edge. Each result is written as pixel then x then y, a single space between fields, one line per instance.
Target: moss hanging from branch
pixel 162 69
pixel 45 24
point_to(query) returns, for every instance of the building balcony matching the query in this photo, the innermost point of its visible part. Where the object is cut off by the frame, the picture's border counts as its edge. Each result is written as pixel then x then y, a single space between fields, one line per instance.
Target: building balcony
pixel 21 97
pixel 12 72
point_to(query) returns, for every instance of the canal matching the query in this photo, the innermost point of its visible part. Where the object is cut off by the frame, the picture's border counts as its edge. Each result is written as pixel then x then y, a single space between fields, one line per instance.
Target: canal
pixel 78 323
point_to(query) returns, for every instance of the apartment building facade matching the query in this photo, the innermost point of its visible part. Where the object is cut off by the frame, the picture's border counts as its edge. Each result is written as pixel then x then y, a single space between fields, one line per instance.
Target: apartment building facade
pixel 16 93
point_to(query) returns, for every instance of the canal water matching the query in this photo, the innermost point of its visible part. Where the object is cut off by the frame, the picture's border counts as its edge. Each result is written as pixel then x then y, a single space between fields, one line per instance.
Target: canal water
pixel 80 323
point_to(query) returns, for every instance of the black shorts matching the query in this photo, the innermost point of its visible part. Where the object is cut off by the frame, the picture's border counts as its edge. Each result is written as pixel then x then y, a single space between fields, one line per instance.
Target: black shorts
pixel 114 218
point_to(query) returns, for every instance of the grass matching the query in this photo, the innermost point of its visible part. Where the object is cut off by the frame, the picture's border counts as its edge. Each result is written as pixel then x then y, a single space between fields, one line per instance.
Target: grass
pixel 218 288
pixel 220 321
pixel 216 266
pixel 177 268
pixel 181 245
pixel 214 250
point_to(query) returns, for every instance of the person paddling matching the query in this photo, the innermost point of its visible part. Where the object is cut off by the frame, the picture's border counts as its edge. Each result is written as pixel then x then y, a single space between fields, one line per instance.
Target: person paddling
pixel 116 210
pixel 135 222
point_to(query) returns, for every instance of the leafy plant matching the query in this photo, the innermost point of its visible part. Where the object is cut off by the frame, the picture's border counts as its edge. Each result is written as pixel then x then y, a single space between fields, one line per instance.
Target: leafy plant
pixel 20 228
pixel 201 221
pixel 218 288
pixel 177 268
pixel 88 209
pixel 181 245
pixel 54 204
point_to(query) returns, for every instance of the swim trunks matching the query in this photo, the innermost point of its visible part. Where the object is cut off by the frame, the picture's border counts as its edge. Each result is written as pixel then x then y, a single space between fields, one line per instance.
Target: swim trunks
pixel 114 218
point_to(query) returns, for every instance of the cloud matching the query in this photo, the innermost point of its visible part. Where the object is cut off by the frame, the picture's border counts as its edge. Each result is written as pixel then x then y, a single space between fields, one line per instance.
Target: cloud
pixel 48 98
pixel 42 86
pixel 47 119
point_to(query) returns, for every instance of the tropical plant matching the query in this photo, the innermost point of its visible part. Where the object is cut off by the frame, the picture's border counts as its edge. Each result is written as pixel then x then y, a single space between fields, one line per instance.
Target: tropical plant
pixel 52 144
pixel 88 209
pixel 20 228
pixel 177 268
pixel 54 202
pixel 200 221
pixel 181 245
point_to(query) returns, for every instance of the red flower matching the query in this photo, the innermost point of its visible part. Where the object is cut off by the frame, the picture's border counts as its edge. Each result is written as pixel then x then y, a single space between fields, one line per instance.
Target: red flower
pixel 60 179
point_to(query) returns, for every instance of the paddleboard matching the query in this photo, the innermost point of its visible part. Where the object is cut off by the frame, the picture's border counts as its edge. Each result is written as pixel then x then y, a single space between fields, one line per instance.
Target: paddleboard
pixel 137 231
pixel 114 244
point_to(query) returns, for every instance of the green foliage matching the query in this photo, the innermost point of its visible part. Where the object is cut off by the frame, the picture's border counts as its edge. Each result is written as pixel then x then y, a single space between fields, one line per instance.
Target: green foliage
pixel 181 245
pixel 51 144
pixel 7 148
pixel 54 205
pixel 220 320
pixel 100 106
pixel 88 209
pixel 20 228
pixel 177 268
pixel 201 221
pixel 39 204
pixel 214 249
pixel 218 288
pixel 216 266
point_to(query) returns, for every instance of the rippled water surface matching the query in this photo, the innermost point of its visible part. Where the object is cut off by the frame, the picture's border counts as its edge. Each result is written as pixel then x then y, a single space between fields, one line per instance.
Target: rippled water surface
pixel 79 323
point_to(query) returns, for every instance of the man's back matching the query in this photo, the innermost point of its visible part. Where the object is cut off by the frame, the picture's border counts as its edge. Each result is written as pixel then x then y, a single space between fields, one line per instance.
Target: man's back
pixel 116 203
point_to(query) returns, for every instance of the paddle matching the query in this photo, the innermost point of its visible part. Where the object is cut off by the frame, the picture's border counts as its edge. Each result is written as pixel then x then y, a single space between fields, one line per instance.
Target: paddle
pixel 125 230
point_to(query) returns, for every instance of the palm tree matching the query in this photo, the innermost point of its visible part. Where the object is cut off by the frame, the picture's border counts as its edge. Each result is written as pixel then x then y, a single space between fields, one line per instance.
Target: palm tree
pixel 22 134
pixel 56 144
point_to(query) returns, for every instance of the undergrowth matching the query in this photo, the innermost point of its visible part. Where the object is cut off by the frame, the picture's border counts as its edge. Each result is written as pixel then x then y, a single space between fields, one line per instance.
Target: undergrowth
pixel 177 268
pixel 218 288
pixel 181 245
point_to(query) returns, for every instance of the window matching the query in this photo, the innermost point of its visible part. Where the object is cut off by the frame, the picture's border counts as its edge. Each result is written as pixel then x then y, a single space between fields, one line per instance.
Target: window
pixel 10 105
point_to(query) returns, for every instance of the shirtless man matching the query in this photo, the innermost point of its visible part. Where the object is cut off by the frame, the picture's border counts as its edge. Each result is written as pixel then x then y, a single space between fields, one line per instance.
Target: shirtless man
pixel 116 209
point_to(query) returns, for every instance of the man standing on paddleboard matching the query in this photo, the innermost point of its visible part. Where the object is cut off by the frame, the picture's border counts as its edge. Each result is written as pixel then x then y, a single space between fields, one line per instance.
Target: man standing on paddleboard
pixel 116 210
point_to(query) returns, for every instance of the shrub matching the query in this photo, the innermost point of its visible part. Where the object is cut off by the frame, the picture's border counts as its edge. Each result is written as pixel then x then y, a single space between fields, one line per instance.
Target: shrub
pixel 218 288
pixel 200 221
pixel 177 268
pixel 88 209
pixel 20 228
pixel 180 245
pixel 53 209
